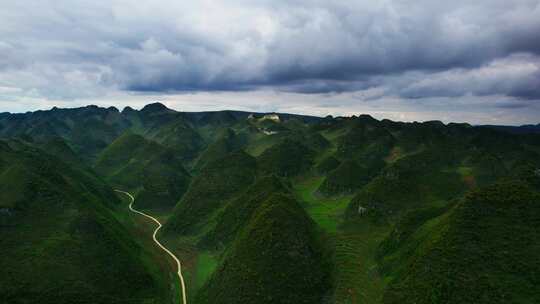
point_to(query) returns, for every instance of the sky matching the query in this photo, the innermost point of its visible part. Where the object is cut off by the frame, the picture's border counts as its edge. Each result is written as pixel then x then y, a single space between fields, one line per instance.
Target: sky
pixel 461 61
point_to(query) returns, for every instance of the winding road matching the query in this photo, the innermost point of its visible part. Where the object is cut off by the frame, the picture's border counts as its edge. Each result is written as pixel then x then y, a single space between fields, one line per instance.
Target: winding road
pixel 158 243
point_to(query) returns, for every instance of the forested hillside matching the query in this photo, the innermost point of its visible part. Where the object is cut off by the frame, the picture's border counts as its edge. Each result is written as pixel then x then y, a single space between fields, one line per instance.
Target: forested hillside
pixel 266 208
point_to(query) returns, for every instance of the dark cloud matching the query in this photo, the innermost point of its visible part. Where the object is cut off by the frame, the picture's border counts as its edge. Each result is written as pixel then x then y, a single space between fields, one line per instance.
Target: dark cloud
pixel 512 105
pixel 405 49
pixel 516 75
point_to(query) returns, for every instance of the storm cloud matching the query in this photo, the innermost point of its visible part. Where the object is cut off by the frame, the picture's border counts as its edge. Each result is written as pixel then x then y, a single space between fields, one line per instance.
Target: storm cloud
pixel 408 50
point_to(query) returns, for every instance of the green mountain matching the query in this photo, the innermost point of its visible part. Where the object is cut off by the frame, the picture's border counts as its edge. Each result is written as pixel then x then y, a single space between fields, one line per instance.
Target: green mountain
pixel 328 164
pixel 217 182
pixel 179 136
pixel 89 129
pixel 220 118
pixel 164 182
pixel 484 250
pixel 265 208
pixel 279 235
pixel 420 180
pixel 61 149
pixel 238 211
pixel 287 158
pixel 60 237
pixel 133 162
pixel 226 143
pixel 345 179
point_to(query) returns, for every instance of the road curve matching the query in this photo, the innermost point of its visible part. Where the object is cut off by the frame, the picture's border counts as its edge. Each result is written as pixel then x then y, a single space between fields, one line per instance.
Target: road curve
pixel 158 243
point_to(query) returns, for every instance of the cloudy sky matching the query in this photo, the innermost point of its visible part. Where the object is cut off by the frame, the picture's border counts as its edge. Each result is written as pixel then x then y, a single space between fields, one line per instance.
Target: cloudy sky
pixel 474 61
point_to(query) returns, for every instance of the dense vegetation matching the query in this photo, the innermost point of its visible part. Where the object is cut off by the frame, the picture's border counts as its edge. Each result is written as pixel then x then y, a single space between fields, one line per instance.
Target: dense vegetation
pixel 239 210
pixel 135 163
pixel 485 250
pixel 287 158
pixel 217 182
pixel 279 235
pixel 61 241
pixel 345 179
pixel 266 208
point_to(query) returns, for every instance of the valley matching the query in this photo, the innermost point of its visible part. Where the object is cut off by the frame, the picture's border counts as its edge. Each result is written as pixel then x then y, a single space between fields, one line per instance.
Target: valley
pixel 178 263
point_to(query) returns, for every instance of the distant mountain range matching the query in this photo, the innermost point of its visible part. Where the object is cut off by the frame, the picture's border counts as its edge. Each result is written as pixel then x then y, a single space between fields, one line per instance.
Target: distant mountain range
pixel 524 129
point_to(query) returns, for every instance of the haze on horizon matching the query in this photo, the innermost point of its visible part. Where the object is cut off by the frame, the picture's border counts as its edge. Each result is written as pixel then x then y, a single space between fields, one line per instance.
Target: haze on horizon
pixel 476 62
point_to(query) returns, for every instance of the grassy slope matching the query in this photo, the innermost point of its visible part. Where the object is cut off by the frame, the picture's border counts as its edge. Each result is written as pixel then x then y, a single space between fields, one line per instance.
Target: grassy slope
pixel 326 212
pixel 353 246
pixel 484 251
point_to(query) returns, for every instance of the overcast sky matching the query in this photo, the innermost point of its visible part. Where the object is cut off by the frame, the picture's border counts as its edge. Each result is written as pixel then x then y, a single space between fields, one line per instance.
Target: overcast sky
pixel 475 61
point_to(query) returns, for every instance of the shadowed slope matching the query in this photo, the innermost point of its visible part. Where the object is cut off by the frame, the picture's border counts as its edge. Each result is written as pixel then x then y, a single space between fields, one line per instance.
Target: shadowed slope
pixel 484 251
pixel 217 182
pixel 277 258
pixel 238 212
pixel 347 178
pixel 133 162
pixel 60 239
pixel 287 158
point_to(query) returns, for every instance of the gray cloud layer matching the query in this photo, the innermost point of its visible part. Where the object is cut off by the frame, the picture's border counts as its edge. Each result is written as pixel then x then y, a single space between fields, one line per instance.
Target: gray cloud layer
pixel 60 49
